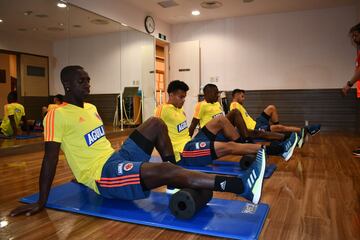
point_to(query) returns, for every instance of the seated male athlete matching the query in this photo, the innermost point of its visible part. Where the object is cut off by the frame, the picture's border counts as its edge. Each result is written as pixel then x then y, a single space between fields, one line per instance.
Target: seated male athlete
pixel 210 108
pixel 14 117
pixel 57 101
pixel 269 119
pixel 77 129
pixel 204 148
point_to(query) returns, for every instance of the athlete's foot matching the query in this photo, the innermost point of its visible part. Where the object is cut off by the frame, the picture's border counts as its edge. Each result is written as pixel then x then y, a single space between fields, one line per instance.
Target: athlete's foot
pixel 301 138
pixel 289 146
pixel 171 190
pixel 356 152
pixel 313 129
pixel 253 179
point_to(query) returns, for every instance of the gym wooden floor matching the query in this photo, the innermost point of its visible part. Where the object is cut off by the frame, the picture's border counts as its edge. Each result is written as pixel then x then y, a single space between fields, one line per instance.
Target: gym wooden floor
pixel 316 195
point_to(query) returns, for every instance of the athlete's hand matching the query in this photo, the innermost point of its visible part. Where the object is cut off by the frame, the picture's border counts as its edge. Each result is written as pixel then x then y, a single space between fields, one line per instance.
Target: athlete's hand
pixel 28 209
pixel 345 90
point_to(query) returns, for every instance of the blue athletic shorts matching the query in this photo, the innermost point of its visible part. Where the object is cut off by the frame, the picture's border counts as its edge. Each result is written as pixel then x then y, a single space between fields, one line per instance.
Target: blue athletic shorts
pixel 120 177
pixel 262 123
pixel 198 152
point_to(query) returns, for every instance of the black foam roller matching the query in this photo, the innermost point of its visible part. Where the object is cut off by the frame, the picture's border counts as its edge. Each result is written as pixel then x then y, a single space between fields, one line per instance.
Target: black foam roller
pixel 185 203
pixel 246 161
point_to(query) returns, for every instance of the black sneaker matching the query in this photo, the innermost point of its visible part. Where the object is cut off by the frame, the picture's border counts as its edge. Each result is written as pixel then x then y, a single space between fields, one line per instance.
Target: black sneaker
pixel 313 129
pixel 356 152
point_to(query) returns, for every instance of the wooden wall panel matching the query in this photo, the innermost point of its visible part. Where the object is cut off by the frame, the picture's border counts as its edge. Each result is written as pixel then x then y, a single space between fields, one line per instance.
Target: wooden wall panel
pixel 33 106
pixel 325 106
pixel 105 104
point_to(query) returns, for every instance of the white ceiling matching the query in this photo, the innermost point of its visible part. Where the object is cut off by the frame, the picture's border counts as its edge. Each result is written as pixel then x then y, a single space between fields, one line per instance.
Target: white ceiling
pixel 60 23
pixel 231 8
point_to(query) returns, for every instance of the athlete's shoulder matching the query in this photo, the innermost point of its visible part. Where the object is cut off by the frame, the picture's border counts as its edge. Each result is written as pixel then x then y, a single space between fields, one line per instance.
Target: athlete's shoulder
pixel 89 106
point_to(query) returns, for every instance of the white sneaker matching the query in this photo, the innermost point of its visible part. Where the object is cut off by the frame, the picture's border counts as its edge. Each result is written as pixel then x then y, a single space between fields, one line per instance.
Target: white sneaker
pixel 289 146
pixel 253 180
pixel 301 137
pixel 171 191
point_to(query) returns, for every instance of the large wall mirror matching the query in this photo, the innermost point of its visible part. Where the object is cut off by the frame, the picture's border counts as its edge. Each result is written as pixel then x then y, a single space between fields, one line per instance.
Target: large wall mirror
pixel 39 37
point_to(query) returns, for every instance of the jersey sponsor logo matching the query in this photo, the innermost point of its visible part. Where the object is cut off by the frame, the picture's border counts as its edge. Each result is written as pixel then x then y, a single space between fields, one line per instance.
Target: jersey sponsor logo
pixel 203 144
pixel 81 120
pixel 128 167
pixel 182 126
pixel 17 110
pixel 94 135
pixel 197 145
pixel 120 168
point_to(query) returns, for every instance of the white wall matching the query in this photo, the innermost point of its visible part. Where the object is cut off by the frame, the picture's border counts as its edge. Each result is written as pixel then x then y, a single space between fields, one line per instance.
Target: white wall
pixel 100 57
pixel 113 60
pixel 124 12
pixel 296 50
pixel 19 43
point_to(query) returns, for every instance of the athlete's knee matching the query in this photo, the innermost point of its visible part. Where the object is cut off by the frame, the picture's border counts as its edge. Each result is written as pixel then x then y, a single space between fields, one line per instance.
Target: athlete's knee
pixel 157 123
pixel 271 108
pixel 221 120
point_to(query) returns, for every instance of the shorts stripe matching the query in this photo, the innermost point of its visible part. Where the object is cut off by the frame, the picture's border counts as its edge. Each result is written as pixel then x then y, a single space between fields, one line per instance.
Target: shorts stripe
pixel 120 185
pixel 121 181
pixel 196 153
pixel 118 178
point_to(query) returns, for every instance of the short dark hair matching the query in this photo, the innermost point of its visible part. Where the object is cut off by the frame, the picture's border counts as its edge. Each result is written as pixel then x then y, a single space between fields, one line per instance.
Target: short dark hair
pixel 177 85
pixel 235 91
pixel 60 97
pixel 69 72
pixel 12 96
pixel 208 87
pixel 355 28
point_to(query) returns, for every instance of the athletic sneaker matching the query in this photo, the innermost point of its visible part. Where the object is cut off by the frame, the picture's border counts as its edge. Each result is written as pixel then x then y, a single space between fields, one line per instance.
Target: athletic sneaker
pixel 171 190
pixel 313 129
pixel 289 146
pixel 253 180
pixel 356 152
pixel 301 137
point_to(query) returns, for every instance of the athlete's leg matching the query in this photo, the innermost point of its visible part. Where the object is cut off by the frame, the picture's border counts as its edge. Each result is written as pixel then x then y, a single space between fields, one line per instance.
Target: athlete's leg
pixel 155 130
pixel 272 112
pixel 233 148
pixel 237 120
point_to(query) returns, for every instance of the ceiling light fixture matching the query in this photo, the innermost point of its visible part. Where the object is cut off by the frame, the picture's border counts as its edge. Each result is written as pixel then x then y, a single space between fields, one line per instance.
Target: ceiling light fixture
pixel 61 5
pixel 195 12
pixel 1 20
pixel 123 24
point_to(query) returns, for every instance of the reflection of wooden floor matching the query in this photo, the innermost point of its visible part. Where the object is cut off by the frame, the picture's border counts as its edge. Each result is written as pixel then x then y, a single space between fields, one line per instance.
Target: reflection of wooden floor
pixel 14 146
pixel 313 196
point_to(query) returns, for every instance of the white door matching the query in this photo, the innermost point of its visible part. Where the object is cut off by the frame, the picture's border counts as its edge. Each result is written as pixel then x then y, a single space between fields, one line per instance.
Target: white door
pixel 185 66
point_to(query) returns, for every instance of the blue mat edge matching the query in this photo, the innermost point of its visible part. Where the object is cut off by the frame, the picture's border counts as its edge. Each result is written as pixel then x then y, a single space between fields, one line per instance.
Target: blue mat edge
pixel 151 224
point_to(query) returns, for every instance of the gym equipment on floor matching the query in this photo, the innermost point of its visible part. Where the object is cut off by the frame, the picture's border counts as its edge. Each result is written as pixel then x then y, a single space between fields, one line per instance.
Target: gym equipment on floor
pixel 219 218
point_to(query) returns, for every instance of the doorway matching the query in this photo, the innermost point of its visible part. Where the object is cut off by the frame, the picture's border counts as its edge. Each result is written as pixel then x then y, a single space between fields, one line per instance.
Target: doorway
pixel 162 73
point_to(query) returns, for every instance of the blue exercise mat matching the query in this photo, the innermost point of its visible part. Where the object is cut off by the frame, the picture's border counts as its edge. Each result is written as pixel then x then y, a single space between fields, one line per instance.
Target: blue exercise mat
pixel 223 167
pixel 27 136
pixel 220 218
pixel 19 137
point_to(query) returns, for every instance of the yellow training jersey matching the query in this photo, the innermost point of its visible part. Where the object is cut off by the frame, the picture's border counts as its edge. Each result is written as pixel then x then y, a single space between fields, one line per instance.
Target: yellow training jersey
pixel 175 120
pixel 81 134
pixel 205 111
pixel 15 109
pixel 250 123
pixel 52 106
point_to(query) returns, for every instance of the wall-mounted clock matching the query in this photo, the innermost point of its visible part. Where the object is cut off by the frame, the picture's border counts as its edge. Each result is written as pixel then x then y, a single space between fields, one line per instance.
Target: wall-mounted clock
pixel 149 24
